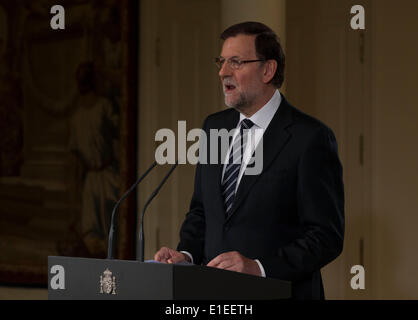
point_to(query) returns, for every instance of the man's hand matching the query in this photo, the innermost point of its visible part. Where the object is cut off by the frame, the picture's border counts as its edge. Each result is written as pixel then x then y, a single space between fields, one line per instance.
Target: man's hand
pixel 167 255
pixel 234 261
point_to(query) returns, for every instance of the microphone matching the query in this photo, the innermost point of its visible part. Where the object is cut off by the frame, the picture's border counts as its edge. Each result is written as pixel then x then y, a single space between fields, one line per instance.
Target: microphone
pixel 141 240
pixel 112 221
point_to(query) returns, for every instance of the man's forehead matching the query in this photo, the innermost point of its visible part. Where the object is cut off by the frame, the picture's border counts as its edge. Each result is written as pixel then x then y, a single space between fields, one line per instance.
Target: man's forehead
pixel 241 45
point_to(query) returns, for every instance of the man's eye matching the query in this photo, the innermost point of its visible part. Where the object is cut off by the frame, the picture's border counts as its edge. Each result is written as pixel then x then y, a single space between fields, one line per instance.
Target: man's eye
pixel 235 62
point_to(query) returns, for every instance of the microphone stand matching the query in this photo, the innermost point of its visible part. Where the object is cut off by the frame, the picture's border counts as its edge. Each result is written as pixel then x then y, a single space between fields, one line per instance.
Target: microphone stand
pixel 110 252
pixel 141 240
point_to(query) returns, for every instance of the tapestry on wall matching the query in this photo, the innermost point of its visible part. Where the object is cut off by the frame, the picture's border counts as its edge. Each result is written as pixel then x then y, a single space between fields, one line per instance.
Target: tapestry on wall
pixel 67 106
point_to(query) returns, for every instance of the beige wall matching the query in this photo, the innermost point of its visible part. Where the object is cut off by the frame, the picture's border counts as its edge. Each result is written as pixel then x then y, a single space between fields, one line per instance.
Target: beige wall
pixel 270 12
pixel 377 99
pixel 394 103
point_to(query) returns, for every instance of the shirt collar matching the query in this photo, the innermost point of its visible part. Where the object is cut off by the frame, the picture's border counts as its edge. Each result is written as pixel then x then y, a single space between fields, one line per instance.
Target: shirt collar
pixel 263 117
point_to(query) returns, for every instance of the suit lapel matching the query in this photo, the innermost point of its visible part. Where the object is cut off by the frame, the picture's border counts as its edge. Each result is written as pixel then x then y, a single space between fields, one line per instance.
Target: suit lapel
pixel 274 139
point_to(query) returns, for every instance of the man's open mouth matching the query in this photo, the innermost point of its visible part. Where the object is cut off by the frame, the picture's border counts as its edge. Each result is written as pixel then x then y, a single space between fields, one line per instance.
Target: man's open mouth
pixel 229 88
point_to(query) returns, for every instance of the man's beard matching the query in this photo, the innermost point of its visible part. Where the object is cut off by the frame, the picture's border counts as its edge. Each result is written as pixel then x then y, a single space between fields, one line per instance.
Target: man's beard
pixel 241 104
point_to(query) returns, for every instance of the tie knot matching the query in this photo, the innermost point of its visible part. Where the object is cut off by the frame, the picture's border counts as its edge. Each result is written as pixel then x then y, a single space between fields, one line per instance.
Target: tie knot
pixel 246 124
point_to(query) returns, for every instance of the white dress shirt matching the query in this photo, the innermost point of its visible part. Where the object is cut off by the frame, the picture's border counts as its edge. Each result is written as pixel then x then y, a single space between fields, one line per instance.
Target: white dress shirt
pixel 261 120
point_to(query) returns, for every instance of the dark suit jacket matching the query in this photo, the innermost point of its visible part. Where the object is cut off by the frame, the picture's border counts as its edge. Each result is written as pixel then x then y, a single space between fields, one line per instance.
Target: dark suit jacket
pixel 290 217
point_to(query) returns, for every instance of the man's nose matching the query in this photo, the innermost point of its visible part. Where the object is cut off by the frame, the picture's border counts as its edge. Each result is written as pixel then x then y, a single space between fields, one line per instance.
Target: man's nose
pixel 225 71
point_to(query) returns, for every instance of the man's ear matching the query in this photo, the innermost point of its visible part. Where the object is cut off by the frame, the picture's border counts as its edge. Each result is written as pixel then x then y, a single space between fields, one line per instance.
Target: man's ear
pixel 270 68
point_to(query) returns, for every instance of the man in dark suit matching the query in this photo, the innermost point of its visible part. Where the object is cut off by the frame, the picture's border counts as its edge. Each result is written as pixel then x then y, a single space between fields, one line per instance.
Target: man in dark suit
pixel 286 222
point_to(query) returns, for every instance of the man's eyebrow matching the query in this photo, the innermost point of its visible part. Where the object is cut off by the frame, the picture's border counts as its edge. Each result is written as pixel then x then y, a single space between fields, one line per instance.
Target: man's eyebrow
pixel 233 57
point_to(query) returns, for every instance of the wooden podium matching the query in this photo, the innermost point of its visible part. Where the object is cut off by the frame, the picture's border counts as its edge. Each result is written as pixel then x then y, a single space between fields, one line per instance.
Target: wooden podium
pixel 98 279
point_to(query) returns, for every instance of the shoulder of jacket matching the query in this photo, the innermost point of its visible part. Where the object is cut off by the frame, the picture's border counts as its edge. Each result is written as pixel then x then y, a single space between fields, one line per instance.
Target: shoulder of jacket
pixel 308 122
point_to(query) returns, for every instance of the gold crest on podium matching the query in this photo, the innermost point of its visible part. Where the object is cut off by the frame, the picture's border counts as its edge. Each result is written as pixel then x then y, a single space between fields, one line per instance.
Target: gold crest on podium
pixel 107 283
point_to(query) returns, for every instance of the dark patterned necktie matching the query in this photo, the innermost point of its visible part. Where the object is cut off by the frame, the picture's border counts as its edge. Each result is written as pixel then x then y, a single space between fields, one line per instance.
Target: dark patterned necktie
pixel 233 166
